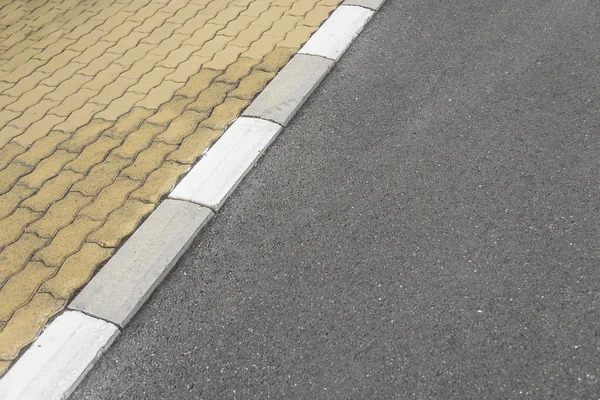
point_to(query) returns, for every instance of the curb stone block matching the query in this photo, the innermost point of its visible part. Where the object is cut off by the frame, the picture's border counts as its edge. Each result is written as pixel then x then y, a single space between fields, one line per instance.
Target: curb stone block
pixel 59 359
pixel 127 280
pixel 338 32
pixel 282 98
pixel 219 172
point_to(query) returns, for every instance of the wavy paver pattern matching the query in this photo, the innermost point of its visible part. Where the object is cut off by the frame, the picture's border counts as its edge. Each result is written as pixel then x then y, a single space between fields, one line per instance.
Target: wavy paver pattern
pixel 103 106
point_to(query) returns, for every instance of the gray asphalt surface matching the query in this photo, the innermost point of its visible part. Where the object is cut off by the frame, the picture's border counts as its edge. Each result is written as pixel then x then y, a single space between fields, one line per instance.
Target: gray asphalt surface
pixel 426 228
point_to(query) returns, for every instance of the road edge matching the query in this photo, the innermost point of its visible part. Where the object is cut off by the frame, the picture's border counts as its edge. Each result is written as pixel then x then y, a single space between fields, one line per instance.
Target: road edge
pixel 69 346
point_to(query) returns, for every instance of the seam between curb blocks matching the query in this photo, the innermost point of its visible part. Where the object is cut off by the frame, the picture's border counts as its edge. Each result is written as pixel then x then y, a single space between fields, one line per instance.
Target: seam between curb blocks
pixel 212 209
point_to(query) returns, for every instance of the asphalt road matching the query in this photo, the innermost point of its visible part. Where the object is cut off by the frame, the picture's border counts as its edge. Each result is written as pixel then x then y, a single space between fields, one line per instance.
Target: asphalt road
pixel 426 228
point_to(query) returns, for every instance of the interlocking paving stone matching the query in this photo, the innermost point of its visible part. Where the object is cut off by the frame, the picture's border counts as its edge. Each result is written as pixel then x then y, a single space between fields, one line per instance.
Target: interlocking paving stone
pixel 103 107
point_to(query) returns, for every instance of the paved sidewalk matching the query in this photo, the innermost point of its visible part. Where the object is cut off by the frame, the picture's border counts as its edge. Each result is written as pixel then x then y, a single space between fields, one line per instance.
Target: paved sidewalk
pixel 104 105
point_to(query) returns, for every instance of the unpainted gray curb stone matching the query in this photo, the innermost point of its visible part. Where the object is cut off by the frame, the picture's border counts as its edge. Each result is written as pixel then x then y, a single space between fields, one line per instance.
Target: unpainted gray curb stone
pixel 374 5
pixel 127 280
pixel 282 98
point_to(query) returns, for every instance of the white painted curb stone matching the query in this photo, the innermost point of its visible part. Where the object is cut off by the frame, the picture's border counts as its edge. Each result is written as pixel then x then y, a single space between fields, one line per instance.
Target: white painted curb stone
pixel 58 359
pixel 219 172
pixel 335 35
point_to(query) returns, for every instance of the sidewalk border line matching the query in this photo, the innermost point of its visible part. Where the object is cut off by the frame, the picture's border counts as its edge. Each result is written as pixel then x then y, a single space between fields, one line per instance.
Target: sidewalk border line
pixel 68 347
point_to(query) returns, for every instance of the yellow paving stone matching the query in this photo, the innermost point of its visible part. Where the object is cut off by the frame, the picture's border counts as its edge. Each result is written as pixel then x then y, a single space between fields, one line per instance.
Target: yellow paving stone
pixel 181 127
pixel 257 7
pixel 14 225
pixel 101 175
pixel 160 182
pixel 194 145
pixel 138 140
pixel 67 242
pixel 38 129
pixel 47 168
pixel 170 44
pixel 317 15
pixel 283 25
pixel 51 191
pixel 213 46
pixel 225 58
pixel 93 52
pixel 261 47
pixel 85 135
pixel 7 116
pixel 26 323
pixel 155 21
pixel 178 56
pixel 109 199
pixel 198 82
pixel 151 80
pixel 8 133
pixel 168 111
pixel 11 174
pixel 120 106
pixel 187 69
pixel 143 66
pixel 183 14
pixel 14 257
pixel 6 100
pixel 42 148
pixel 252 84
pixel 20 288
pixel 51 51
pixel 68 87
pixel 79 117
pixel 297 37
pixel 59 215
pixel 97 65
pixel 276 59
pixel 93 154
pixel 237 70
pixel 159 95
pixel 128 42
pixel 76 271
pixel 120 32
pixel 195 23
pixel 227 15
pixel 33 113
pixel 148 160
pixel 61 75
pixel 27 83
pixel 121 223
pixel 113 91
pixel 105 77
pixel 225 113
pixel 9 152
pixel 59 61
pixel 87 40
pixel 145 12
pixel 301 7
pixel 161 33
pixel 10 200
pixel 211 97
pixel 128 122
pixel 237 25
pixel 73 102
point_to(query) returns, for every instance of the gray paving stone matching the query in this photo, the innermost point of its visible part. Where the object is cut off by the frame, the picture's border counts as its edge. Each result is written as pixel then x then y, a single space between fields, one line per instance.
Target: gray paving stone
pixel 372 4
pixel 291 87
pixel 127 280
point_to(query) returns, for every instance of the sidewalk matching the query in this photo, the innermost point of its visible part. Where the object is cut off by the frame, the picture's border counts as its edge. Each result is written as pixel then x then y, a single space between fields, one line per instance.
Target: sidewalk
pixel 104 105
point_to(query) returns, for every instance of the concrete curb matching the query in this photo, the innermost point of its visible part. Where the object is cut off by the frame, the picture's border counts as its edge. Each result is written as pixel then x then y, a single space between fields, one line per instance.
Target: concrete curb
pixel 70 345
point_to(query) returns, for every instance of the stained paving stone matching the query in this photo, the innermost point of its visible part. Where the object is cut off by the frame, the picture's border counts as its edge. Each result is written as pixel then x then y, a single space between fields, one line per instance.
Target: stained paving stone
pixel 104 109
